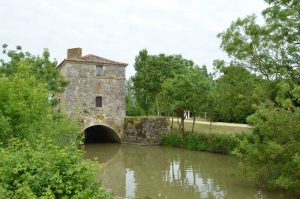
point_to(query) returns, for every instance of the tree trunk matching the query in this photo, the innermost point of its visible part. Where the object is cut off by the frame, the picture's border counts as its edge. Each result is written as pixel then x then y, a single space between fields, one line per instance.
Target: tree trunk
pixel 180 114
pixel 194 118
pixel 182 124
pixel 157 106
pixel 210 120
pixel 172 122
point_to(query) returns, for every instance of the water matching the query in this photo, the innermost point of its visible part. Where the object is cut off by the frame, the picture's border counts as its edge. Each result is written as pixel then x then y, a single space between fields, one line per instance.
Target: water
pixel 132 171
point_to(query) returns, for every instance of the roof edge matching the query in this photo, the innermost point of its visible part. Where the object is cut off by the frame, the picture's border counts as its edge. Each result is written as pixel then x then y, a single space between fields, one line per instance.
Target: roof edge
pixel 93 62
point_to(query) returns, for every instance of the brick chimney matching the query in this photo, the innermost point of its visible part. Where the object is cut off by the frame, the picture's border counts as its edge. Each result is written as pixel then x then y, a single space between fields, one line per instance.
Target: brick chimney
pixel 74 53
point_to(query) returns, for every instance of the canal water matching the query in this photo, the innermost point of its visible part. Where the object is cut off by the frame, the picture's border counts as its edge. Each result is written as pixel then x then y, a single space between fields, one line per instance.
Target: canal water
pixel 132 171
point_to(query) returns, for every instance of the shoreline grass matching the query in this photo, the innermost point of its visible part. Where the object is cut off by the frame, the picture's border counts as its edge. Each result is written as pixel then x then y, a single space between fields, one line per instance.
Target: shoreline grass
pixel 215 143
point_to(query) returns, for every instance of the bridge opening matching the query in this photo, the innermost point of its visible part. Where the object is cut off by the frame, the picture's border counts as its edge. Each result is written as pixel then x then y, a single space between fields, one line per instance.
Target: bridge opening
pixel 99 133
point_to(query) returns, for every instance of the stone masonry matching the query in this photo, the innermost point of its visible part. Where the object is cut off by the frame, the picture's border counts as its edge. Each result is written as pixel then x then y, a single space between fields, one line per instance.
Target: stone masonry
pixel 86 84
pixel 145 130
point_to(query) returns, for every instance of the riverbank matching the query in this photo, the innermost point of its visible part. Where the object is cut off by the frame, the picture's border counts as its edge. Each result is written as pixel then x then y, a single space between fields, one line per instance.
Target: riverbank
pixel 215 143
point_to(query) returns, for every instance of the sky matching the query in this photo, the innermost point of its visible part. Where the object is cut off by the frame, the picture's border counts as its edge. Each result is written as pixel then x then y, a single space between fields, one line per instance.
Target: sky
pixel 119 29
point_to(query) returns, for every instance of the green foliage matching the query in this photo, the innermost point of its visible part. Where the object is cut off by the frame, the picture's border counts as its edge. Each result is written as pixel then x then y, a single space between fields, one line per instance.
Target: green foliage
pixel 38 147
pixel 173 139
pixel 26 111
pixel 151 72
pixel 132 106
pixel 25 64
pixel 216 143
pixel 24 107
pixel 234 94
pixel 187 91
pixel 273 51
pixel 272 159
pixel 47 171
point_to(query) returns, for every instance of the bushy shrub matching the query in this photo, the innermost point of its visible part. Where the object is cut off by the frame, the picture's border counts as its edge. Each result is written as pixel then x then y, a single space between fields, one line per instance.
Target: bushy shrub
pixel 196 142
pixel 39 147
pixel 172 139
pixel 211 142
pixel 272 156
pixel 47 171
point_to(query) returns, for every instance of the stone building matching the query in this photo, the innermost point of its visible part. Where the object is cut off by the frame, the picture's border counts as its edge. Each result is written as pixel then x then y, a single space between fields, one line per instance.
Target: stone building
pixel 95 94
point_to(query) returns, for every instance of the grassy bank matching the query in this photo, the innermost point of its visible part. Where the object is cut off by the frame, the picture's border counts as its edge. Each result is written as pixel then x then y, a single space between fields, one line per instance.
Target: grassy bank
pixel 215 129
pixel 216 143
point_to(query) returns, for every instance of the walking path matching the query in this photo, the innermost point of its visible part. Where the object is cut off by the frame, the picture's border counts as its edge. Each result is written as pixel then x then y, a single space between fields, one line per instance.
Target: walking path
pixel 218 123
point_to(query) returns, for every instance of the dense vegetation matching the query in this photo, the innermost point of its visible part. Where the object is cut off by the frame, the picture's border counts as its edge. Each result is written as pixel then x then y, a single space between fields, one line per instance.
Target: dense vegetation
pixel 39 147
pixel 216 143
pixel 259 85
pixel 271 50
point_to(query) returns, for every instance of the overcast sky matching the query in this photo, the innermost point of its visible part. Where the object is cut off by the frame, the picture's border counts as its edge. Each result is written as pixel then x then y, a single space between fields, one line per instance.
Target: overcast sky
pixel 119 29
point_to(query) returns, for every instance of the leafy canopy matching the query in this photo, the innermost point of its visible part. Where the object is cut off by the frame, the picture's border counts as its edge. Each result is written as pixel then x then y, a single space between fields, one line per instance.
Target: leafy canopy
pixel 271 50
pixel 151 72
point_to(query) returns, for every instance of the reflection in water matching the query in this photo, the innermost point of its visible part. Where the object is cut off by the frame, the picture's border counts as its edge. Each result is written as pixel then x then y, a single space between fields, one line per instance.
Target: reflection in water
pixel 130 184
pixel 138 171
pixel 193 180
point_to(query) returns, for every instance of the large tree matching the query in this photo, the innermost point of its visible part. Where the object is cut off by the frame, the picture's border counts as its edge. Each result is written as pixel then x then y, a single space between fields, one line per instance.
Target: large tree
pixel 151 72
pixel 234 93
pixel 187 91
pixel 271 50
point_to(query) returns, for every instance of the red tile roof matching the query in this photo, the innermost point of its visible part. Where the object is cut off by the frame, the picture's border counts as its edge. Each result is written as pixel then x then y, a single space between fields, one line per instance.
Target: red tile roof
pixel 94 59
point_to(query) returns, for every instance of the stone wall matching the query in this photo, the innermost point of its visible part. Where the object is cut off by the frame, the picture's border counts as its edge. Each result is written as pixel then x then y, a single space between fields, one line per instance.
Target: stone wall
pixel 145 130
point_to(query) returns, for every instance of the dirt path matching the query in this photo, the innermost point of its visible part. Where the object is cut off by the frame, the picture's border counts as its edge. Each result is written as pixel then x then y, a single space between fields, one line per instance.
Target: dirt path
pixel 218 123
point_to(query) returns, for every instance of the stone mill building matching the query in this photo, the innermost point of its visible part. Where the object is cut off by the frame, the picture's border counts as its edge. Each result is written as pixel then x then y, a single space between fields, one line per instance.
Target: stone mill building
pixel 95 94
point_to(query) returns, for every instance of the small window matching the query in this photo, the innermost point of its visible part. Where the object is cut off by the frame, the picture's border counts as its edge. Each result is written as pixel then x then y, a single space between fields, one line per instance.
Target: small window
pixel 99 70
pixel 98 101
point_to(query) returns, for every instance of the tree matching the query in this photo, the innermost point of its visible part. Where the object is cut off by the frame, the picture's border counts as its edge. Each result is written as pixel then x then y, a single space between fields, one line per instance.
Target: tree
pixel 132 106
pixel 234 94
pixel 151 72
pixel 271 50
pixel 272 156
pixel 25 108
pixel 187 91
pixel 41 67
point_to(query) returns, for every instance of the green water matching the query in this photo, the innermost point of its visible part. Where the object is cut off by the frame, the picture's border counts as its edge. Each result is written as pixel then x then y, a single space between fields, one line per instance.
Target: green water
pixel 170 173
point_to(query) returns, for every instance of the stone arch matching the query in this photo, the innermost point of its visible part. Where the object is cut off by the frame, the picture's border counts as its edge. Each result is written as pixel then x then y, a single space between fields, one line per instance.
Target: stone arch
pixel 100 133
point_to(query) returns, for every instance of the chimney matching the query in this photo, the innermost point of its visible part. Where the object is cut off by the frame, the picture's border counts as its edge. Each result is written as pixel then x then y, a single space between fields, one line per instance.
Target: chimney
pixel 74 53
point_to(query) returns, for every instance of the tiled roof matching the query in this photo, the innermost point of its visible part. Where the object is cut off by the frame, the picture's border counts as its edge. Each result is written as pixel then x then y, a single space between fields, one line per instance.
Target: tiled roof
pixel 100 60
pixel 94 59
